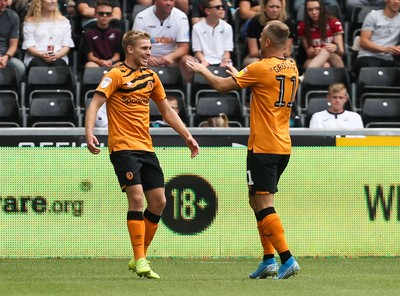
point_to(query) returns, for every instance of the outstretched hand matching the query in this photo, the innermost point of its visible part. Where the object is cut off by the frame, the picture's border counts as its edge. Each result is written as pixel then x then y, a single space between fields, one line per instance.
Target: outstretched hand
pixel 193 146
pixel 231 70
pixel 196 66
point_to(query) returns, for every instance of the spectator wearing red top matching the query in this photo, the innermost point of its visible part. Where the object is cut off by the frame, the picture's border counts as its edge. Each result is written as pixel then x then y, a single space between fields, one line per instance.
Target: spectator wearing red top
pixel 321 36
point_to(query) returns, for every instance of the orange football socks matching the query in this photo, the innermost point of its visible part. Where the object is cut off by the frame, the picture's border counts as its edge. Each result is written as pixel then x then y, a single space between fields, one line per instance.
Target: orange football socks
pixel 266 243
pixel 273 230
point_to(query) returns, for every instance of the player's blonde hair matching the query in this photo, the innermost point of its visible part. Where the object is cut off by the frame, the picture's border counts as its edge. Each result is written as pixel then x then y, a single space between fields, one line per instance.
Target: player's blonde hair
pixel 130 38
pixel 277 32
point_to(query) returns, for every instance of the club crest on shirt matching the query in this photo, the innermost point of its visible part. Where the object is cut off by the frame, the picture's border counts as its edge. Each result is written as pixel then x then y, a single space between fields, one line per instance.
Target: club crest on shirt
pixel 105 82
pixel 129 175
pixel 150 84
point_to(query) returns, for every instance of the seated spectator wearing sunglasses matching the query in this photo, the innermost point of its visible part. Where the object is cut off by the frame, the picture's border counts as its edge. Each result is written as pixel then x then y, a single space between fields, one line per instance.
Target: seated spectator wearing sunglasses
pixel 102 44
pixel 212 37
pixel 87 11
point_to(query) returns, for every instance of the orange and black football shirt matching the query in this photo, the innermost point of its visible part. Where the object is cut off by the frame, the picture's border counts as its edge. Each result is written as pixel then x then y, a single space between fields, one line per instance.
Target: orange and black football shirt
pixel 128 92
pixel 273 82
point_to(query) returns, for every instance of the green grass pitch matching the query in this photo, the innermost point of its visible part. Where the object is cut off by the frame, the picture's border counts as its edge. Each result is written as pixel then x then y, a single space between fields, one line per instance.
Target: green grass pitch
pixel 318 276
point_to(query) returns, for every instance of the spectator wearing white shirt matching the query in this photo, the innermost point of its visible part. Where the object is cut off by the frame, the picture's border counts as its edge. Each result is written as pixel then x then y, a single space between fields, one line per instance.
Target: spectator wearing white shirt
pixel 336 116
pixel 46 35
pixel 379 38
pixel 168 28
pixel 212 37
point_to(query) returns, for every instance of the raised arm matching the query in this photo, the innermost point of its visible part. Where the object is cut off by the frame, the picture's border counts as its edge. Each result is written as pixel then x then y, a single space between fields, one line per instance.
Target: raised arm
pixel 221 84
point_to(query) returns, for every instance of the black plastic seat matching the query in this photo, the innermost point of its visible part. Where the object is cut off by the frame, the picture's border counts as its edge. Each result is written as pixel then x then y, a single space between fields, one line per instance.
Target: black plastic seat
pixel 91 78
pixel 10 110
pixel 376 80
pixel 381 112
pixel 208 106
pixel 52 109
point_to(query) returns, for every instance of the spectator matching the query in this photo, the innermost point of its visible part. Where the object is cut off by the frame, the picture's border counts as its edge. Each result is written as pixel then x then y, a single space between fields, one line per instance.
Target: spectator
pixel 270 10
pixel 321 36
pixel 220 121
pixel 47 35
pixel 87 11
pixel 379 38
pixel 198 11
pixel 248 9
pixel 336 117
pixel 169 30
pixel 174 103
pixel 9 37
pixel 212 37
pixel 102 44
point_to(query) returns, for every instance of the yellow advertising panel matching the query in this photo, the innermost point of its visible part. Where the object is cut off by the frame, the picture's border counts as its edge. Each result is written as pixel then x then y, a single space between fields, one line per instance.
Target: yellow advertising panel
pixel 66 202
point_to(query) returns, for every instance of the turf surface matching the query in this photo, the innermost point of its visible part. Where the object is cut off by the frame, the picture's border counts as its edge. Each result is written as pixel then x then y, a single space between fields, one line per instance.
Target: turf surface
pixel 318 276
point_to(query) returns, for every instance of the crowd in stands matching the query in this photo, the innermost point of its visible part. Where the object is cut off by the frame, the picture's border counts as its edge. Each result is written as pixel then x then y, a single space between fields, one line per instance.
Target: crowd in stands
pixel 81 34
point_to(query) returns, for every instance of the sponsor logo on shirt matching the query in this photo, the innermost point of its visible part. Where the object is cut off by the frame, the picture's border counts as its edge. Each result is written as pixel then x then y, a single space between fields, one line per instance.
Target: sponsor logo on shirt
pixel 105 82
pixel 241 72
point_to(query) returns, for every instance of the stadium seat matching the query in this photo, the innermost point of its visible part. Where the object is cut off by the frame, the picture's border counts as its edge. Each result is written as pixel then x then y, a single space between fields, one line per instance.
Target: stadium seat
pixel 315 105
pixel 154 113
pixel 375 80
pixel 91 78
pixel 171 78
pixel 201 88
pixel 50 78
pixel 11 112
pixel 9 80
pixel 211 106
pixel 200 81
pixel 381 111
pixel 53 87
pixel 52 110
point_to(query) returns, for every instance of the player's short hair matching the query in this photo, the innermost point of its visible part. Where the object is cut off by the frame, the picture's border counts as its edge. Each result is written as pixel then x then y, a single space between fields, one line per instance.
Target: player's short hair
pixel 130 38
pixel 277 32
pixel 336 87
